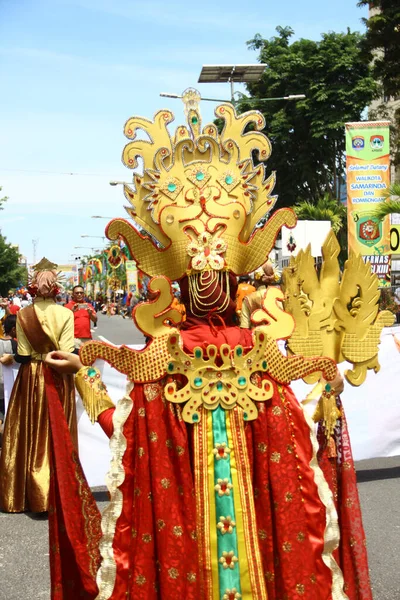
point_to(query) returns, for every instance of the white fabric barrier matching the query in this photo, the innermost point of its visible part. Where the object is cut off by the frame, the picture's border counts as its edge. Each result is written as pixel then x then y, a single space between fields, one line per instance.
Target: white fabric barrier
pixel 372 411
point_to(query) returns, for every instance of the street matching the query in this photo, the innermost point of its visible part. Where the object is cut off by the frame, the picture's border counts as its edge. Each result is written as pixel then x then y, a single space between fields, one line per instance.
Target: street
pixel 24 538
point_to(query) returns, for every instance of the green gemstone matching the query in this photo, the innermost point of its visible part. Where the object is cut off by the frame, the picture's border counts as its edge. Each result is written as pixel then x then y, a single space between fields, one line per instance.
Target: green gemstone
pixel 328 387
pixel 239 351
pixel 171 187
pixel 198 381
pixel 245 416
pixel 220 386
pixel 228 179
pixel 171 367
pixel 195 417
pixel 91 372
pixel 264 364
pixel 195 120
pixel 200 176
pixel 242 380
pixel 198 353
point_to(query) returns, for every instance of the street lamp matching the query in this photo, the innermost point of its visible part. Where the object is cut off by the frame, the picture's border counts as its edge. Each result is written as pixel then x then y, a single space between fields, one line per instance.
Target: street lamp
pixel 231 74
pixel 87 248
pixel 100 237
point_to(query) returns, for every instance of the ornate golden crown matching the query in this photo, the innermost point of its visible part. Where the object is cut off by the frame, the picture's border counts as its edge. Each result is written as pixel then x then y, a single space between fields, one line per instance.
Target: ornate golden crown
pixel 201 197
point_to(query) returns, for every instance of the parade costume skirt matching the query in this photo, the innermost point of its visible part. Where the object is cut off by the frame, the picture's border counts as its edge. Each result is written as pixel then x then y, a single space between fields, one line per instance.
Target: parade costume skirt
pixel 160 529
pixel 24 463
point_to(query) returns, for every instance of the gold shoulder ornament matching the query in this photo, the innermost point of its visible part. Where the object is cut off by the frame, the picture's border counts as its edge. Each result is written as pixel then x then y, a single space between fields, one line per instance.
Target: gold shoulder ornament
pixel 336 314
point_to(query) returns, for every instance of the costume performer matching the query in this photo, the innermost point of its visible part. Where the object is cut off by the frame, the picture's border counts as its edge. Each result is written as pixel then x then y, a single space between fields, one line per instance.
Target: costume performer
pixel 263 277
pixel 24 464
pixel 216 491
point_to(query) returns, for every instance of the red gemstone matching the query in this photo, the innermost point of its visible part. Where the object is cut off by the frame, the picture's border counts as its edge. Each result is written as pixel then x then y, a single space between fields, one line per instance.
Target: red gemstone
pixel 224 487
pixel 211 352
pixel 212 398
pixel 261 337
pixel 226 525
pixel 173 339
pixel 225 351
pixel 221 451
pixel 228 560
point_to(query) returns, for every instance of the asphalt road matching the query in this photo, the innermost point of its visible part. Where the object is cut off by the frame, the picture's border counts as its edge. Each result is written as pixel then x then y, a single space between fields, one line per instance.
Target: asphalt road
pixel 24 571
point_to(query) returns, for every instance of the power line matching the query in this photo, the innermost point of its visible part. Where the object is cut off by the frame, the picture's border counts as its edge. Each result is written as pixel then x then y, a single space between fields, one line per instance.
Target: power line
pixel 52 172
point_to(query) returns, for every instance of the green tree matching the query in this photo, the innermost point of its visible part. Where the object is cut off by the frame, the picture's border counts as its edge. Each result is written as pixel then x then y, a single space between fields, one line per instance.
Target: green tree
pixel 383 39
pixel 2 200
pixel 326 208
pixel 391 206
pixel 330 209
pixel 308 136
pixel 11 272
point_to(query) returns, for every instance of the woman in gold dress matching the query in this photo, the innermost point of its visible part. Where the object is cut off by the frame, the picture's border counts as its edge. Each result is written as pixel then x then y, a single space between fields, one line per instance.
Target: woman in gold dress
pixel 24 463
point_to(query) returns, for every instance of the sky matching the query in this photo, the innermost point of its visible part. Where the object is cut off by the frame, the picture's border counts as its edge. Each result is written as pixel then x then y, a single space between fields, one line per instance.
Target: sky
pixel 73 71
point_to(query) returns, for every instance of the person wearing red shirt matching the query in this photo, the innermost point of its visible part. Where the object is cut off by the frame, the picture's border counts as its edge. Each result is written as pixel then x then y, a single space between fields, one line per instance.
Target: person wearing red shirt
pixel 83 315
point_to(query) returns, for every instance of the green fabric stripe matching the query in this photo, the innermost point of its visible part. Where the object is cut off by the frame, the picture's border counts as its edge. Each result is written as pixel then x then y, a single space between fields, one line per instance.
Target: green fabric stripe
pixel 225 506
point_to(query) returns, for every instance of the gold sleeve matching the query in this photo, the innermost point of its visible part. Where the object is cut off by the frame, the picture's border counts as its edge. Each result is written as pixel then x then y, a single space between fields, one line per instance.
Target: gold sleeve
pixel 245 315
pixel 66 341
pixel 93 392
pixel 24 347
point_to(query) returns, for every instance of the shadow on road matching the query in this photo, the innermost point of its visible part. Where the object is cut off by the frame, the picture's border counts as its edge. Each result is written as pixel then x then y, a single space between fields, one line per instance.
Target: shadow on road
pixel 378 474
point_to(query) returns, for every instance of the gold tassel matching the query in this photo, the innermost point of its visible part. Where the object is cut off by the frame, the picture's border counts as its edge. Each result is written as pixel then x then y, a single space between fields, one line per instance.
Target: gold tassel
pixel 93 392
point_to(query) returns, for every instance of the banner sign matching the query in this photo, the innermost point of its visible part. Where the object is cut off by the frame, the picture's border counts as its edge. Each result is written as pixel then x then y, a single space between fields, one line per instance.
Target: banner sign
pixel 381 267
pixel 69 275
pixel 368 177
pixel 131 276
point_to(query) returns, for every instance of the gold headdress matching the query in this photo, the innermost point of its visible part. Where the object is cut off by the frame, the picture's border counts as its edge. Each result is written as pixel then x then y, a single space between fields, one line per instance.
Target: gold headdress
pixel 201 196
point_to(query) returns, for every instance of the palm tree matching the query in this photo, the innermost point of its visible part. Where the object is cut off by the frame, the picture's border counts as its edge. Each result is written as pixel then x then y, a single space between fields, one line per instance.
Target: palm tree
pixel 327 208
pixel 387 207
pixel 330 209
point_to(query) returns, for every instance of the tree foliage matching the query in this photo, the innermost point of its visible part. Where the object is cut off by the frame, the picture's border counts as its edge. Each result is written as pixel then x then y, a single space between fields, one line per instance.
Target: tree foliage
pixel 390 206
pixel 308 136
pixel 325 209
pixel 383 39
pixel 12 273
pixel 2 200
pixel 330 209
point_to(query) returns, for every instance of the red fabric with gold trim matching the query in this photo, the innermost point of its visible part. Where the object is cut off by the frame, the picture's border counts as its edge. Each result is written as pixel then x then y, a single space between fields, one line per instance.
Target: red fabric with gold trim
pixel 340 473
pixel 290 515
pixel 155 542
pixel 74 519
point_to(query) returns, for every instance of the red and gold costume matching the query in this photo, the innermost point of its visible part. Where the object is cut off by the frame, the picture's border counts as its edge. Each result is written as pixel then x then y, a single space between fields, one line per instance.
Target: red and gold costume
pixel 219 487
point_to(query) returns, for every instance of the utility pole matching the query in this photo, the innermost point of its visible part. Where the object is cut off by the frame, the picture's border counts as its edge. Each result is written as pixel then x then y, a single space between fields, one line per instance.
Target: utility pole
pixel 34 246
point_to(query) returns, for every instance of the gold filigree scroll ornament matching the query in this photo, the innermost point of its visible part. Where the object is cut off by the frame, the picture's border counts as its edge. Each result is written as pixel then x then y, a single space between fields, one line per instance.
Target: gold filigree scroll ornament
pixel 199 184
pixel 211 385
pixel 335 315
pixel 223 377
pixel 155 319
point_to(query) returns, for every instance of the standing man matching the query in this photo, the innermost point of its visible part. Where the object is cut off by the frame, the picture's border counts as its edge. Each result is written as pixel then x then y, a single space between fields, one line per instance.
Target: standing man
pixel 84 314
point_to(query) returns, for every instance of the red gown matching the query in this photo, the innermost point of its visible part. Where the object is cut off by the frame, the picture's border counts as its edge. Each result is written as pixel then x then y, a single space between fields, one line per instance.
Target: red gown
pixel 158 542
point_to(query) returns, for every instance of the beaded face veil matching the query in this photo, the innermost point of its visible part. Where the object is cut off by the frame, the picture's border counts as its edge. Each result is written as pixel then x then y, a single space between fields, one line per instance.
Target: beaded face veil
pixel 197 207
